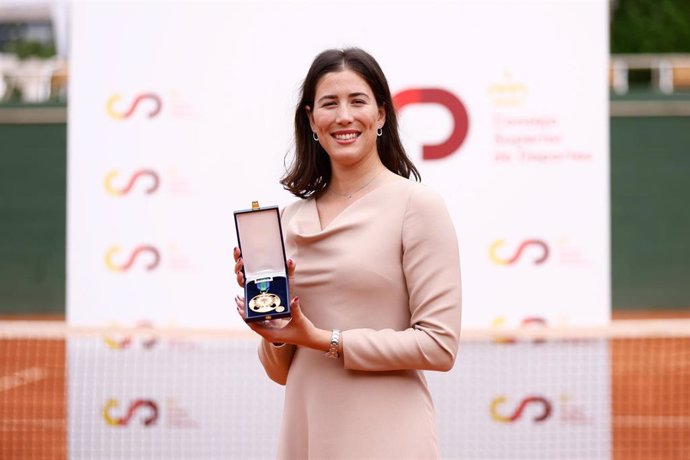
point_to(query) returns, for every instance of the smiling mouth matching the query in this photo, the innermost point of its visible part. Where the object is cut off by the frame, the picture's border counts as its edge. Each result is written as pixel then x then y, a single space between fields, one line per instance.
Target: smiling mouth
pixel 346 136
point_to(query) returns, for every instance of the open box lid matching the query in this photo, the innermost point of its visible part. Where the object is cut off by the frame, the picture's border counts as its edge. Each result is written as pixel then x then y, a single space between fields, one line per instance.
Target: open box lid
pixel 261 241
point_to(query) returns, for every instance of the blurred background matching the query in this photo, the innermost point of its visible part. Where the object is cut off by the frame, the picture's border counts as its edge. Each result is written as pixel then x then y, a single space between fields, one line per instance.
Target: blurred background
pixel 649 141
pixel 628 384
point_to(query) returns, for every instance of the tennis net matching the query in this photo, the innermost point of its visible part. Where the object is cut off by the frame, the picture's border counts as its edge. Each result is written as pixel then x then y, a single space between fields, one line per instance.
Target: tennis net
pixel 621 392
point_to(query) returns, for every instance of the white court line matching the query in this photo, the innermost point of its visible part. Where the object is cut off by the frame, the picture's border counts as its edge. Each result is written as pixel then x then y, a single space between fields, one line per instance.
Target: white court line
pixel 23 377
pixel 19 424
pixel 652 421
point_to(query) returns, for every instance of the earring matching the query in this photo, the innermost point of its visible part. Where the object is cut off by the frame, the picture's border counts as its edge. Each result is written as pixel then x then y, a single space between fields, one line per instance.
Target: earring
pixel 379 132
pixel 313 134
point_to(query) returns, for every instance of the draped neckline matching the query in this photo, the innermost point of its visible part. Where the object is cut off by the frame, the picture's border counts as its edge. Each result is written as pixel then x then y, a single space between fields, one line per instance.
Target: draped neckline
pixel 312 221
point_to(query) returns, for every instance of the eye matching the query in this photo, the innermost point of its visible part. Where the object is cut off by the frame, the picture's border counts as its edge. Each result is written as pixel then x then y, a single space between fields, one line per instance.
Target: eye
pixel 359 101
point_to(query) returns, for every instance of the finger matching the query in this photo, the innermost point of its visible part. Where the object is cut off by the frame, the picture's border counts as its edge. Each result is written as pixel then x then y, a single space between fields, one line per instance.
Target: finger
pixel 236 253
pixel 295 307
pixel 239 264
pixel 239 301
pixel 291 273
pixel 240 279
pixel 291 268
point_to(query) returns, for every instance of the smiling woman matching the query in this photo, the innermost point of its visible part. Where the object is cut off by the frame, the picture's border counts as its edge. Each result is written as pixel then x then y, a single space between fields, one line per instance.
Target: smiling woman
pixel 377 278
pixel 346 119
pixel 310 173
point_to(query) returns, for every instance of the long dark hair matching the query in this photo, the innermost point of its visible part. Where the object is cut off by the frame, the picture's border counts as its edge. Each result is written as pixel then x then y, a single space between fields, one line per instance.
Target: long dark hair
pixel 310 172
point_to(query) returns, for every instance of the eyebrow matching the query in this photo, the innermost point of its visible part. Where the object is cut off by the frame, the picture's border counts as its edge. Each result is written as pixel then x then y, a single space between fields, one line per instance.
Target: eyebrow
pixel 351 95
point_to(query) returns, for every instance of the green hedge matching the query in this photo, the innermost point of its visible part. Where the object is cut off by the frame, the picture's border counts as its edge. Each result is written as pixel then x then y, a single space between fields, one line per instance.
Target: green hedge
pixel 650 26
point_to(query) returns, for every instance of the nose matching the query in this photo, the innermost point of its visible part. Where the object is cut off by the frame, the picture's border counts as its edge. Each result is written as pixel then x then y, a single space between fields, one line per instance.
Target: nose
pixel 343 115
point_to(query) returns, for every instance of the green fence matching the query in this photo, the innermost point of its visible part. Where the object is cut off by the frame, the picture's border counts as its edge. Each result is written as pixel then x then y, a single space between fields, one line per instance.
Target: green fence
pixel 650 163
pixel 650 215
pixel 33 164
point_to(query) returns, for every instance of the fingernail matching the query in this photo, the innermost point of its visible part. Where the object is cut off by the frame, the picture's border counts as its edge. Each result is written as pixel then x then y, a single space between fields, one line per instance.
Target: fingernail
pixel 296 299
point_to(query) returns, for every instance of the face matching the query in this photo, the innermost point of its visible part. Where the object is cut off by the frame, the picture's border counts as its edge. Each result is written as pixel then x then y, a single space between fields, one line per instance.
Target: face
pixel 345 117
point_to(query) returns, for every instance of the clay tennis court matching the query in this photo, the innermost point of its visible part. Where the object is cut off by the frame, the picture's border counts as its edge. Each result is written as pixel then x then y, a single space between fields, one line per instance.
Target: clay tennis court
pixel 33 407
pixel 650 399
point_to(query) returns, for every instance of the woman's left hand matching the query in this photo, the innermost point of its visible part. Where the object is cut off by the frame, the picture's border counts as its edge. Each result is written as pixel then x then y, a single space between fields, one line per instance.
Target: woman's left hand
pixel 297 330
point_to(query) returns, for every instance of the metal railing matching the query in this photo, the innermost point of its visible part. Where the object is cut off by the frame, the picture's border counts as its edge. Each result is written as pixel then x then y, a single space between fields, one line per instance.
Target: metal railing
pixel 669 72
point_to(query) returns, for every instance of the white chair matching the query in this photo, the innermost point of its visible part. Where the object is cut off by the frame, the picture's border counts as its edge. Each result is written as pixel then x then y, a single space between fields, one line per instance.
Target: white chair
pixel 33 78
pixel 8 63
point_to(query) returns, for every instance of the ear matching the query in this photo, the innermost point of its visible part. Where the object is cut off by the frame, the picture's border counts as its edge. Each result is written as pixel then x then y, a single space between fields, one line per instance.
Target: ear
pixel 382 116
pixel 310 116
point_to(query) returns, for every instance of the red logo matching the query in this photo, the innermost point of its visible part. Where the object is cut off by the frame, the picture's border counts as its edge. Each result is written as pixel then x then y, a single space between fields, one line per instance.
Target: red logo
pixel 137 253
pixel 537 401
pixel 526 322
pixel 448 100
pixel 124 342
pixel 153 102
pixel 113 189
pixel 137 406
pixel 543 248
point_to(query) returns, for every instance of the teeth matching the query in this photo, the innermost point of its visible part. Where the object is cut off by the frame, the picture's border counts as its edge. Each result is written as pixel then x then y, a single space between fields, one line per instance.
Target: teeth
pixel 346 137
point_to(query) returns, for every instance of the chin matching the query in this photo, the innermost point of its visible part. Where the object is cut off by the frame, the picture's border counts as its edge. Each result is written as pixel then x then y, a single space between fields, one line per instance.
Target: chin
pixel 346 159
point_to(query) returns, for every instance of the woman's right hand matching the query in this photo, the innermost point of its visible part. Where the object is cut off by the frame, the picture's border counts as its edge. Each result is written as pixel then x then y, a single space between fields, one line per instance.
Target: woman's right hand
pixel 239 264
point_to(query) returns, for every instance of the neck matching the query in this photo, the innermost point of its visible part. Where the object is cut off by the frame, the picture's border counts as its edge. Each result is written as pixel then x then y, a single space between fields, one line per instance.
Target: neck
pixel 352 179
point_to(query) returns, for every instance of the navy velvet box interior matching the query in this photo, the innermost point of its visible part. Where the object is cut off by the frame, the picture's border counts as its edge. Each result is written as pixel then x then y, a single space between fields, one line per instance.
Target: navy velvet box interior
pixel 266 299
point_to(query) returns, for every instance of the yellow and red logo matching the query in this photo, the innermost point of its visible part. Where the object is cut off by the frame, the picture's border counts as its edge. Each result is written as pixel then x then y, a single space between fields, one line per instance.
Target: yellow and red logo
pixel 146 175
pixel 526 322
pixel 151 101
pixel 542 249
pixel 448 100
pixel 535 401
pixel 147 407
pixel 124 342
pixel 138 252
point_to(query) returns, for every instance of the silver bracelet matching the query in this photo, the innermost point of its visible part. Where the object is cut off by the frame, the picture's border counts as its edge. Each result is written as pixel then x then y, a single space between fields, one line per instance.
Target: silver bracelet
pixel 335 341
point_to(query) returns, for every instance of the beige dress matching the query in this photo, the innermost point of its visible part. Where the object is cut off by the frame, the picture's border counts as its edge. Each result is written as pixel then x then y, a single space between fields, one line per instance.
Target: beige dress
pixel 386 272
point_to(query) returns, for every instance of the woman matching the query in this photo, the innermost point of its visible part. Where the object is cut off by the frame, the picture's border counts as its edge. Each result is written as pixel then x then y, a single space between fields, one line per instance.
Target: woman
pixel 378 281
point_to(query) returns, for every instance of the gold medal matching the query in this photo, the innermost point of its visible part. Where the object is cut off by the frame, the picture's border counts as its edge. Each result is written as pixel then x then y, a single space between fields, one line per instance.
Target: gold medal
pixel 264 303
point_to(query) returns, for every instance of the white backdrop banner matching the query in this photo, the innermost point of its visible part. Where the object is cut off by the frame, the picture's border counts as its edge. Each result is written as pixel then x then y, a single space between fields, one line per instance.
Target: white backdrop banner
pixel 181 113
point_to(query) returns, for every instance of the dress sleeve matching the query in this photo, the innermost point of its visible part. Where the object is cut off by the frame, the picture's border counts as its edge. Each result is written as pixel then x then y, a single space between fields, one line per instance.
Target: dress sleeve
pixel 276 360
pixel 431 265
